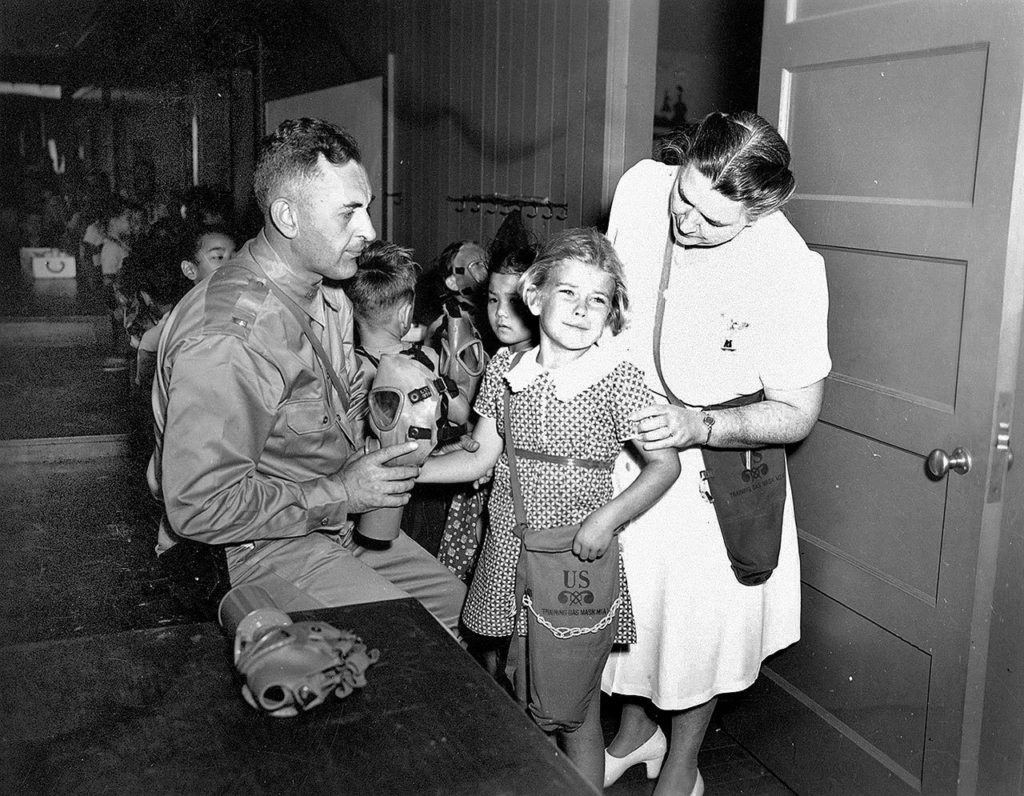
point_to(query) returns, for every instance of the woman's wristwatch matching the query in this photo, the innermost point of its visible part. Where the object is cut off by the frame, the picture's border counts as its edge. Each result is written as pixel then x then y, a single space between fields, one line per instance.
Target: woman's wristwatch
pixel 708 421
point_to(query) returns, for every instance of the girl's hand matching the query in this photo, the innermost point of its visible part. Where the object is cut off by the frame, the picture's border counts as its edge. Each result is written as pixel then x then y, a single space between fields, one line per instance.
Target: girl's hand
pixel 592 539
pixel 668 426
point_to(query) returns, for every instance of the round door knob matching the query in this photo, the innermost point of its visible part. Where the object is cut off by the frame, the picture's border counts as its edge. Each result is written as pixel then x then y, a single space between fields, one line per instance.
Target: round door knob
pixel 940 462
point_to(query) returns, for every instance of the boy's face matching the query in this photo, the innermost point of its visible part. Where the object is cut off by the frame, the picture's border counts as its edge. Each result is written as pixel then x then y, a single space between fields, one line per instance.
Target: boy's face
pixel 506 311
pixel 213 251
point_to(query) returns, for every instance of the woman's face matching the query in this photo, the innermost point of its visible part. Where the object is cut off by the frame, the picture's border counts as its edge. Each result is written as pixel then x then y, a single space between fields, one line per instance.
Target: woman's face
pixel 701 216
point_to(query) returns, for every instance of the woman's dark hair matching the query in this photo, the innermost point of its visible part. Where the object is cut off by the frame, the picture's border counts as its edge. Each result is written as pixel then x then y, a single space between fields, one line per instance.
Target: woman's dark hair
pixel 291 153
pixel 742 154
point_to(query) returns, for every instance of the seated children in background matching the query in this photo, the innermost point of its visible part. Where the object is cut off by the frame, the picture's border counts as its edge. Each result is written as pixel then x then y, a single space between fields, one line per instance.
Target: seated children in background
pixel 120 232
pixel 569 400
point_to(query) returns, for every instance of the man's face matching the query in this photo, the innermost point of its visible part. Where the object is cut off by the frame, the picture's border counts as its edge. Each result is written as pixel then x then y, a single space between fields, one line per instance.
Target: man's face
pixel 333 223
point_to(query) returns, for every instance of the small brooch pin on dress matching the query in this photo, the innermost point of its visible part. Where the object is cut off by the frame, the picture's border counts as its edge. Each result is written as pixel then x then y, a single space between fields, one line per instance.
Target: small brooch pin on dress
pixel 733 326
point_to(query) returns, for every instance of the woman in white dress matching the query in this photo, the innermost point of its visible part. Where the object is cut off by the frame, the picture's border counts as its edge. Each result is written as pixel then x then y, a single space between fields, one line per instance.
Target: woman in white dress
pixel 744 309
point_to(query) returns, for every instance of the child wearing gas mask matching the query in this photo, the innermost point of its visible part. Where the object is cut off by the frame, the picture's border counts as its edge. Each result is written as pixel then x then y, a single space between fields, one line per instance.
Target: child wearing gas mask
pixel 383 296
pixel 568 401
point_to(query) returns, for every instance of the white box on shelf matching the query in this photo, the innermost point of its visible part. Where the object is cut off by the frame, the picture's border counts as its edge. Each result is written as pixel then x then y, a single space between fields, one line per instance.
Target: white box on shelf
pixel 28 253
pixel 54 266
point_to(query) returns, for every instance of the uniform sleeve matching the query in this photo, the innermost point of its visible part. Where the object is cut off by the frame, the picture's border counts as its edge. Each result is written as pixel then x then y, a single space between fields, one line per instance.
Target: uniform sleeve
pixel 629 394
pixel 222 401
pixel 492 387
pixel 794 348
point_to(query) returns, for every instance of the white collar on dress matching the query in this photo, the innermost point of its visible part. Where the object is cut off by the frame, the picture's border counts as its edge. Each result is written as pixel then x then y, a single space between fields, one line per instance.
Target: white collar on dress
pixel 570 379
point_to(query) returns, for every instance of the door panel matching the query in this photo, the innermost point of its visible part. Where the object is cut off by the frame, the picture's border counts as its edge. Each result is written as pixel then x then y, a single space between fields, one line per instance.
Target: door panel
pixel 903 122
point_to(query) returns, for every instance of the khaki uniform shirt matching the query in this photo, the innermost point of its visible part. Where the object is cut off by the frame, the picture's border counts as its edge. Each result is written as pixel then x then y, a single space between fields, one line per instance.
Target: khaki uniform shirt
pixel 250 432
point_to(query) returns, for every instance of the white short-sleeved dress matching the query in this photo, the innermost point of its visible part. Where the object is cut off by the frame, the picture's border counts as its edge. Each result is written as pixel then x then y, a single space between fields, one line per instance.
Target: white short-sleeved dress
pixel 747 314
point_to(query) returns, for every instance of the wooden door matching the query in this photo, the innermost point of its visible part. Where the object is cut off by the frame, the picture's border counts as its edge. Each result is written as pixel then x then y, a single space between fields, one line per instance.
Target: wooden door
pixel 904 120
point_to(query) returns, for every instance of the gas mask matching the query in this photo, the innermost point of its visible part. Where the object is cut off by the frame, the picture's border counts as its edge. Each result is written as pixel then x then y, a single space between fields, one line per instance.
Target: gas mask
pixel 461 352
pixel 410 401
pixel 289 667
pixel 467 269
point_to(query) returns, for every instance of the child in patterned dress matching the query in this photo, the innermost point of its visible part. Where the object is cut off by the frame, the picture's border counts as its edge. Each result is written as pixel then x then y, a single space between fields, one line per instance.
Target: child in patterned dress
pixel 570 398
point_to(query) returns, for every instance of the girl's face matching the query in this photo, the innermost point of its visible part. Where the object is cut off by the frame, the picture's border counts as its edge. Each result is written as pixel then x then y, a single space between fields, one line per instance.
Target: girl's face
pixel 573 307
pixel 506 312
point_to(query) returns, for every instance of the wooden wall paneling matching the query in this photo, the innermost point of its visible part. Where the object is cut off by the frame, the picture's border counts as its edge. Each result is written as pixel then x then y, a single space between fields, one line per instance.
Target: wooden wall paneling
pixel 425 162
pixel 576 109
pixel 399 44
pixel 452 102
pixel 545 13
pixel 516 63
pixel 437 104
pixel 561 41
pixel 475 62
pixel 420 166
pixel 592 209
pixel 487 130
pixel 530 32
pixel 502 102
pixel 475 55
pixel 456 100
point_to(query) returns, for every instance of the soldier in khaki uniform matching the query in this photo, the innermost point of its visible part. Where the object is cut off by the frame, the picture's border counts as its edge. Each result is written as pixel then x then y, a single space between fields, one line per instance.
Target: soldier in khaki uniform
pixel 255 450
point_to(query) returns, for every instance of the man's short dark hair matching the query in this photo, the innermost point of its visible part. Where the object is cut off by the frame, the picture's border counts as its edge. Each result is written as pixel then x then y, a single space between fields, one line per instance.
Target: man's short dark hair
pixel 292 151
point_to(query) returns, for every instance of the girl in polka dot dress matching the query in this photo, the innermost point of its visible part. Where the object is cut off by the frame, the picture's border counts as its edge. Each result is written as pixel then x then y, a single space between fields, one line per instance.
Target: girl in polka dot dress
pixel 570 398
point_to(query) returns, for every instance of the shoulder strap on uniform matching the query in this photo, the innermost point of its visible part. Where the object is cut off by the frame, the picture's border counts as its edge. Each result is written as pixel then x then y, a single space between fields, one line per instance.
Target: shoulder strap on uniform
pixel 232 308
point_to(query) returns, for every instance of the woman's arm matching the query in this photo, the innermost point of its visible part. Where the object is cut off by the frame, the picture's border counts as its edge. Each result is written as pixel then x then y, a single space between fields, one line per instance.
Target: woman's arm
pixel 784 416
pixel 461 466
pixel 660 469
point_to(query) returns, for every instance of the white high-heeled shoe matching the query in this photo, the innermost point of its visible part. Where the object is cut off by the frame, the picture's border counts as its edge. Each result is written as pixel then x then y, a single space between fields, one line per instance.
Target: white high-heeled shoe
pixel 651 753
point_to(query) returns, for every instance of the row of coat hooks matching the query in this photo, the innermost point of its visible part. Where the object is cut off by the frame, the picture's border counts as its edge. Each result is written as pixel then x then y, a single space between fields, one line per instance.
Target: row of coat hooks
pixel 532 206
